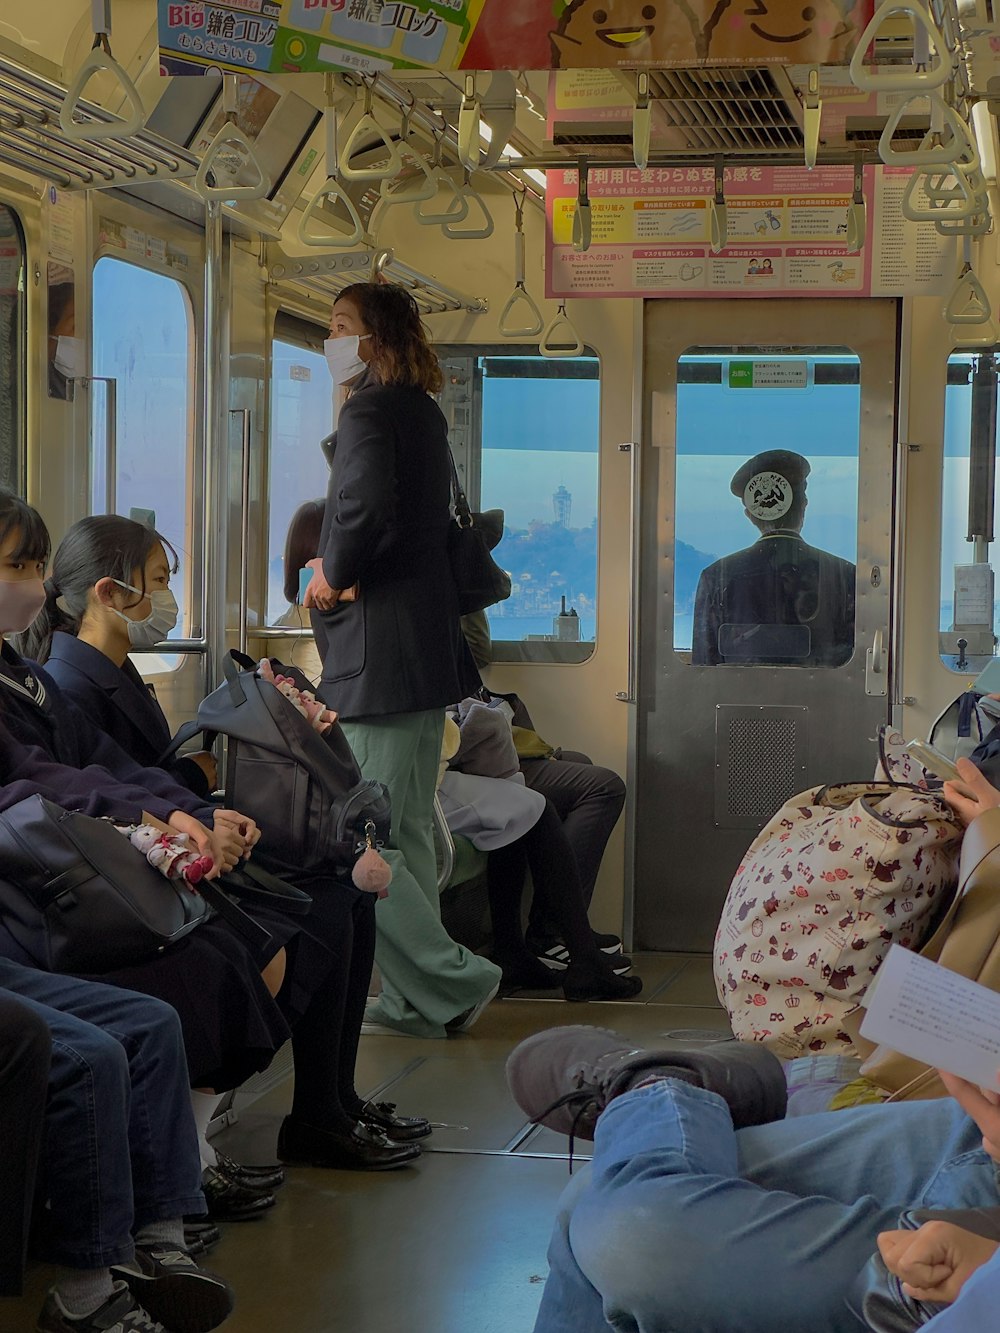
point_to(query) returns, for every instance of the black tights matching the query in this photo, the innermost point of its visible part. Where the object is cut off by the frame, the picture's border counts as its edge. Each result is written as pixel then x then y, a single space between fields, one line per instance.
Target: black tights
pixel 545 850
pixel 335 953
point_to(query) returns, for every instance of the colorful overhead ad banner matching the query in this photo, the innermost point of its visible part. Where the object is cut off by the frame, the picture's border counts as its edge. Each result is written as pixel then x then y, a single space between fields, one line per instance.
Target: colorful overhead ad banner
pixel 786 235
pixel 289 36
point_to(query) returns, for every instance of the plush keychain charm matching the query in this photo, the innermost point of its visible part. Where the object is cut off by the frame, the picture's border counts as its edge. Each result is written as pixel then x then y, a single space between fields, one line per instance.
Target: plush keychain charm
pixel 305 702
pixel 372 873
pixel 170 853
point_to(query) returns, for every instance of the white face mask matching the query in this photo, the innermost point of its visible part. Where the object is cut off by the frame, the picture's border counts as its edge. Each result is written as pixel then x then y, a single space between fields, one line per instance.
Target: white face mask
pixel 155 627
pixel 20 603
pixel 342 357
pixel 68 359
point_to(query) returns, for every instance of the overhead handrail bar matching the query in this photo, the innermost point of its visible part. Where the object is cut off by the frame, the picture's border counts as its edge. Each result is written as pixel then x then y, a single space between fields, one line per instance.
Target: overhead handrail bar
pixel 468 125
pixel 457 208
pixel 642 122
pixel 413 189
pixel 812 118
pixel 718 214
pixel 473 199
pixel 857 215
pixel 502 119
pixel 331 189
pixel 101 60
pixel 520 295
pixel 368 125
pixel 560 323
pixel 935 148
pixel 582 216
pixel 911 80
pixel 231 151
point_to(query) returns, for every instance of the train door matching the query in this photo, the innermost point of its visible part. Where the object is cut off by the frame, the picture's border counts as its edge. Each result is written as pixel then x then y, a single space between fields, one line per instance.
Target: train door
pixel 763 635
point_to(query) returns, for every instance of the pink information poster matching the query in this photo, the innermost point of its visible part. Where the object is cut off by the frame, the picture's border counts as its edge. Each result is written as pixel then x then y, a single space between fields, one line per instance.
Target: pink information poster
pixel 786 235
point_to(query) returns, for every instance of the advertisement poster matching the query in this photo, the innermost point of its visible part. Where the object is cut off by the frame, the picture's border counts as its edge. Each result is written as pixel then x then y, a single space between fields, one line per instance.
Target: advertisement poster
pixel 280 36
pixel 786 235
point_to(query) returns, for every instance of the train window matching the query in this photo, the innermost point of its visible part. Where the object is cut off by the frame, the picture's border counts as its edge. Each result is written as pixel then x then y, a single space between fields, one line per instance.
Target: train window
pixel 969 620
pixel 143 461
pixel 12 350
pixel 764 558
pixel 301 416
pixel 524 430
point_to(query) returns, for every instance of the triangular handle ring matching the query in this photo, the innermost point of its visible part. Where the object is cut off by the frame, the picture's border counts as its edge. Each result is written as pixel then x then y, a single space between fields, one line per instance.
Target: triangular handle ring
pixel 87 131
pixel 901 80
pixel 456 210
pixel 718 227
pixel 326 239
pixel 520 297
pixel 367 127
pixel 473 199
pixel 230 141
pixel 968 302
pixel 560 324
pixel 415 189
pixel 959 147
pixel 967 206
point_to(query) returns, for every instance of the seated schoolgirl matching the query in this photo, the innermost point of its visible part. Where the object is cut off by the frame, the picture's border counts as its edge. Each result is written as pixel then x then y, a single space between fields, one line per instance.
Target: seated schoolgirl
pixel 112 574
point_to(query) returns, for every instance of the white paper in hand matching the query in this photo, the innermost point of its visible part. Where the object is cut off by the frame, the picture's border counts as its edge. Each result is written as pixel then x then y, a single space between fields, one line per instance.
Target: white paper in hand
pixel 931 1014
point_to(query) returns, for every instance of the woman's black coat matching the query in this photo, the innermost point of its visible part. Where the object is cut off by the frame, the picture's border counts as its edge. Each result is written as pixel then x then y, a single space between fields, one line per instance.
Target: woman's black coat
pixel 399 648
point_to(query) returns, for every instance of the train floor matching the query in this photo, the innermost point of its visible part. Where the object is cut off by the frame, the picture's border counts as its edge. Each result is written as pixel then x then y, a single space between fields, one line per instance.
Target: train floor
pixel 456 1243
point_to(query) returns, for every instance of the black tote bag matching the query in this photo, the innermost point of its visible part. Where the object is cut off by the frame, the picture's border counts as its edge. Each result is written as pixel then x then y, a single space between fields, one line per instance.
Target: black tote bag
pixel 479 579
pixel 78 897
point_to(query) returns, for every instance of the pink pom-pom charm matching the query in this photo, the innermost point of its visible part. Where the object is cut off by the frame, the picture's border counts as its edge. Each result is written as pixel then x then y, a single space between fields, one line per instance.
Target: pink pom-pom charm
pixel 372 873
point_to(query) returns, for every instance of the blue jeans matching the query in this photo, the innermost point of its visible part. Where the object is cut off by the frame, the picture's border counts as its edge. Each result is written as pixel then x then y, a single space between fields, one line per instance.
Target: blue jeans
pixel 684 1225
pixel 977 1304
pixel 120 1148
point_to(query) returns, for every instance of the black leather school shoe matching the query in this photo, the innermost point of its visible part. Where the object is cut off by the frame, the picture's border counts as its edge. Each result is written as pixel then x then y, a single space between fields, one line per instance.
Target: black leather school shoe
pixel 359 1149
pixel 229 1202
pixel 399 1128
pixel 257 1179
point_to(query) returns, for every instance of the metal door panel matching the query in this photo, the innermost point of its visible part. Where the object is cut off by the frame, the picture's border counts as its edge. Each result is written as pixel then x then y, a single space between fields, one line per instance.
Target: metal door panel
pixel 718 748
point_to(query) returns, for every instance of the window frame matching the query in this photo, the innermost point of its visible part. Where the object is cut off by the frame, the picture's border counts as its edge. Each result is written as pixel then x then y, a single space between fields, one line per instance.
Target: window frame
pixel 527 652
pixel 195 518
pixel 20 379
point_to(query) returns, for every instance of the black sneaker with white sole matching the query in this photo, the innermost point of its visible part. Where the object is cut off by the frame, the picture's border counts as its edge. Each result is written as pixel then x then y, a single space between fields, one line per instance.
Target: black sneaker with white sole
pixel 173 1289
pixel 555 955
pixel 120 1313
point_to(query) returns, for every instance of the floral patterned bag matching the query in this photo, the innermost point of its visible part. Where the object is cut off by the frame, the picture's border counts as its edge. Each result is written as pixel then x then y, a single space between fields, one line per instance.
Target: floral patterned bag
pixel 837 876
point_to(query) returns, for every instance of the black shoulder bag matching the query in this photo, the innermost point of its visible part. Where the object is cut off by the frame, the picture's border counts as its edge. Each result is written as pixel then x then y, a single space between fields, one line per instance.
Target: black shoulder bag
pixel 479 579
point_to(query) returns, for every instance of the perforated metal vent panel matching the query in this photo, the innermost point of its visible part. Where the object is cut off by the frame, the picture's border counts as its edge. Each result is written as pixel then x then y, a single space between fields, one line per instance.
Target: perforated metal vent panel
pixel 760 760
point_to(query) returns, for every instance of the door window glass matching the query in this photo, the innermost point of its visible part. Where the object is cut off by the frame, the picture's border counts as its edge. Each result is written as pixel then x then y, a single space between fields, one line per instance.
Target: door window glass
pixel 142 462
pixel 12 333
pixel 968 505
pixel 301 416
pixel 766 513
pixel 524 430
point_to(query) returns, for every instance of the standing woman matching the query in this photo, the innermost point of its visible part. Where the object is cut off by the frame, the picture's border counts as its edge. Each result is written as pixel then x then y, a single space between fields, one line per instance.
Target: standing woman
pixel 387 625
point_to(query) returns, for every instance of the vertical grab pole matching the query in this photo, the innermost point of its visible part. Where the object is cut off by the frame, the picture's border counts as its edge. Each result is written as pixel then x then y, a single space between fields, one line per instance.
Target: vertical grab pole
pixel 216 421
pixel 631 694
pixel 244 412
pixel 111 448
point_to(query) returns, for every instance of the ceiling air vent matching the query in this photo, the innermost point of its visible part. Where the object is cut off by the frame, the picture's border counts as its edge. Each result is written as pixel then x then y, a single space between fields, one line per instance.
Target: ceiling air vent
pixel 719 109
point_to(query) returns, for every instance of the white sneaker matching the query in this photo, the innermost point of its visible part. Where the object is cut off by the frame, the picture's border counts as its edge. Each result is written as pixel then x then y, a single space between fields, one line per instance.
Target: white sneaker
pixel 462 1022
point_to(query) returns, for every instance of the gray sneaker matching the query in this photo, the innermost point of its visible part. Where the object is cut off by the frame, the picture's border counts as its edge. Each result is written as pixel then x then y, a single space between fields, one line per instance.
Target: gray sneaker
pixel 120 1313
pixel 565 1077
pixel 171 1287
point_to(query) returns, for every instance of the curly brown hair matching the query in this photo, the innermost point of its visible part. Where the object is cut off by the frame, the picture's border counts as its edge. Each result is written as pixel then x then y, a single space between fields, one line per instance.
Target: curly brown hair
pixel 401 353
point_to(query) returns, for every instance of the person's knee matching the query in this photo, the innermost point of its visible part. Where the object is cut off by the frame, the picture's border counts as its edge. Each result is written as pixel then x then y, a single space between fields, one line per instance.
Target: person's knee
pixel 25 1041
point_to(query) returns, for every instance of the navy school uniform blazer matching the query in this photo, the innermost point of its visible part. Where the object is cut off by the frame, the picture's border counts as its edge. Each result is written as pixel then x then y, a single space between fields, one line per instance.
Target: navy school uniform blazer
pixel 65 737
pixel 120 703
